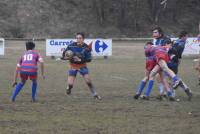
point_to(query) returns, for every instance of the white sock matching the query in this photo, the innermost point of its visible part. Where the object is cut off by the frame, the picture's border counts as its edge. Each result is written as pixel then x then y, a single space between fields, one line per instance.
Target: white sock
pixel 161 88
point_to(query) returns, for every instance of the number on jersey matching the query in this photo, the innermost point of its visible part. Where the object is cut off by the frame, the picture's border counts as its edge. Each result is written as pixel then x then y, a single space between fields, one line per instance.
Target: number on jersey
pixel 28 57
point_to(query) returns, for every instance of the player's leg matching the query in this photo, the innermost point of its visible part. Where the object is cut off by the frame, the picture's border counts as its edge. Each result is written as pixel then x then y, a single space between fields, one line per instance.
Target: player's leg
pixel 199 76
pixel 19 86
pixel 165 68
pixel 160 85
pixel 70 80
pixel 183 86
pixel 142 84
pixel 174 68
pixel 167 88
pixel 33 78
pixel 197 68
pixel 187 90
pixel 174 77
pixel 152 75
pixel 169 84
pixel 85 73
pixel 90 84
pixel 199 73
pixel 150 64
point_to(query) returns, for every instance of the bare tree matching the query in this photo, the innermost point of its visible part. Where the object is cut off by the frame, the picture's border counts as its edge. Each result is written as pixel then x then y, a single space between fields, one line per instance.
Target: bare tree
pixel 99 7
pixel 199 27
pixel 135 15
pixel 122 15
pixel 156 7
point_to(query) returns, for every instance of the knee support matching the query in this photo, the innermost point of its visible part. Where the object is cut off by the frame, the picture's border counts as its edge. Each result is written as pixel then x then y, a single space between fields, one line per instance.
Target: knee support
pixel 89 84
pixel 69 86
pixel 164 67
pixel 152 74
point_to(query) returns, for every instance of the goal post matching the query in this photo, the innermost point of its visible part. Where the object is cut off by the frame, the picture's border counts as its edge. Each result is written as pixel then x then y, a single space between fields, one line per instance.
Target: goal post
pixel 2 46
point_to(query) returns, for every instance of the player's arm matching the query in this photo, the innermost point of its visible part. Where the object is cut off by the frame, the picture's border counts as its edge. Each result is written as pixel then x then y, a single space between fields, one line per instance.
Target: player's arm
pixel 42 68
pixel 180 49
pixel 41 61
pixel 197 65
pixel 16 72
pixel 64 55
pixel 88 56
pixel 173 55
pixel 84 57
pixel 15 77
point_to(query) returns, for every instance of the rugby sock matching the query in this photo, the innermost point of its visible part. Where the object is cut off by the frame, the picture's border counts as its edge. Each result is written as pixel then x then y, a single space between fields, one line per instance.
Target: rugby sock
pixel 92 89
pixel 184 86
pixel 69 87
pixel 17 90
pixel 173 93
pixel 169 93
pixel 141 87
pixel 199 79
pixel 34 90
pixel 149 87
pixel 175 78
pixel 161 88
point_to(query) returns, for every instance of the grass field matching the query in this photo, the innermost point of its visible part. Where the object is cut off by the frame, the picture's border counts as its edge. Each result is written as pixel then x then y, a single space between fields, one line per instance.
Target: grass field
pixel 118 113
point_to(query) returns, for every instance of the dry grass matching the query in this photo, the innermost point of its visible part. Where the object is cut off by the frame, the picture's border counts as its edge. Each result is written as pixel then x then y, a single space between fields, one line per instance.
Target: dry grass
pixel 116 80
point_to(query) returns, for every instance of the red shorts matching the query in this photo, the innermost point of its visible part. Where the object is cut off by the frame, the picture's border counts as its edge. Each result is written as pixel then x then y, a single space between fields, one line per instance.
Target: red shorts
pixel 163 56
pixel 26 76
pixel 150 64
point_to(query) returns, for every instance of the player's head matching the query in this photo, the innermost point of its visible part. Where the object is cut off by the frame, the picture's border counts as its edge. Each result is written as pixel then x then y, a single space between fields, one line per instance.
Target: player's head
pixel 30 45
pixel 157 32
pixel 169 42
pixel 183 35
pixel 148 44
pixel 198 37
pixel 80 37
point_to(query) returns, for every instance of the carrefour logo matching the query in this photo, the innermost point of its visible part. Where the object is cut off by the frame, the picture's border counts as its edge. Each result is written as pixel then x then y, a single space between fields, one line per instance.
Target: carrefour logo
pixel 100 46
pixel 60 42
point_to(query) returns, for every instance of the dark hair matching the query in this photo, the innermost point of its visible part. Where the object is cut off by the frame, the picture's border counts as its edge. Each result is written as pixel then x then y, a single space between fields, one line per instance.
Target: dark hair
pixel 30 45
pixel 182 34
pixel 168 41
pixel 149 42
pixel 81 33
pixel 159 30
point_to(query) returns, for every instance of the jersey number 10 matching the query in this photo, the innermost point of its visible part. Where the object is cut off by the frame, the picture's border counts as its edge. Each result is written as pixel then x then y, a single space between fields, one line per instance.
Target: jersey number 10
pixel 28 57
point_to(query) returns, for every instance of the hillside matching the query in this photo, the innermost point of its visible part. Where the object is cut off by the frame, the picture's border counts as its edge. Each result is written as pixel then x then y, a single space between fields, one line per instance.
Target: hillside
pixel 97 18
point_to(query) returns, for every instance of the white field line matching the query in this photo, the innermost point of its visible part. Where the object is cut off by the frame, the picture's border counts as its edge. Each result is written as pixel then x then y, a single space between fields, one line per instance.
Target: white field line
pixel 119 78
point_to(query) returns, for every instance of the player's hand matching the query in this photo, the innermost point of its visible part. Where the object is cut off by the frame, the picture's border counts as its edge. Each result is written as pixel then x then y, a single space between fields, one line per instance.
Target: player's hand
pixel 58 59
pixel 179 61
pixel 43 76
pixel 197 68
pixel 64 58
pixel 14 84
pixel 76 58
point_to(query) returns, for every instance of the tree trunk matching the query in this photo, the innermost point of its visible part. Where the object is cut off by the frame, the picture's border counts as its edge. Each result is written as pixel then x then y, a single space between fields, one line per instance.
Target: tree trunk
pixel 99 6
pixel 136 16
pixel 122 16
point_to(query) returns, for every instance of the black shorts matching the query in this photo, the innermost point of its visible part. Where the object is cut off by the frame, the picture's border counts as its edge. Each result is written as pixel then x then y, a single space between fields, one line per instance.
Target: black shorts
pixel 174 67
